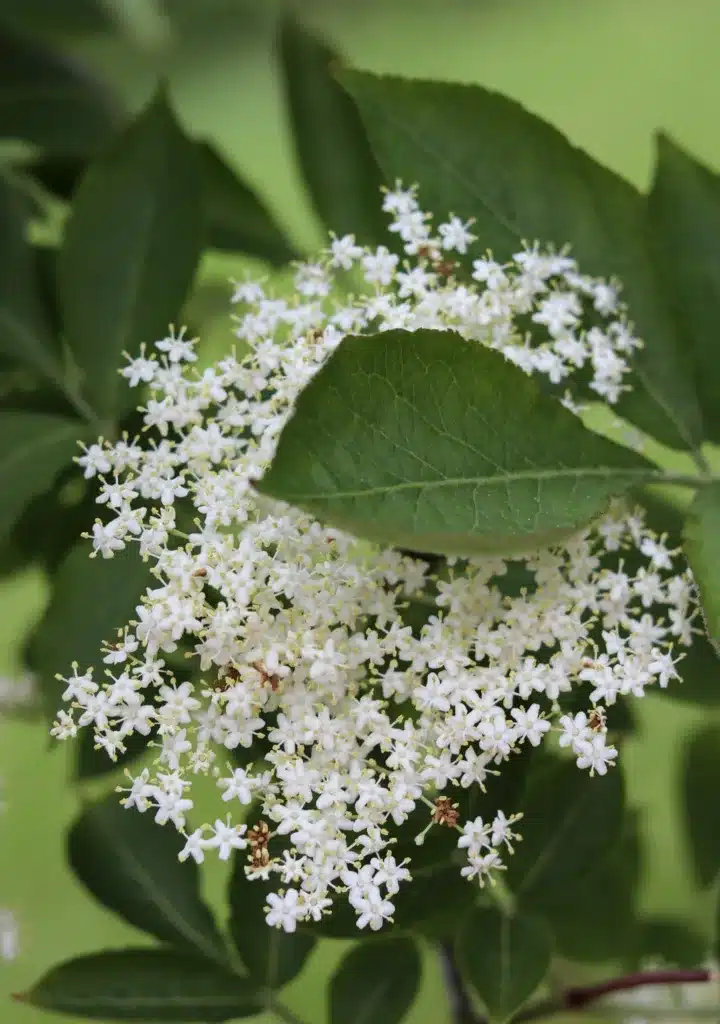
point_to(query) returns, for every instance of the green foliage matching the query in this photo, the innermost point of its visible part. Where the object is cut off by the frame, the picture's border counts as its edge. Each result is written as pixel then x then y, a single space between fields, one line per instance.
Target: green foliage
pixel 34 447
pixel 131 866
pixel 130 251
pixel 235 219
pixel 668 941
pixel 504 956
pixel 145 984
pixel 91 598
pixel 272 957
pixel 51 101
pixel 376 983
pixel 571 823
pixel 25 334
pixel 701 812
pixel 684 210
pixel 335 157
pixel 702 543
pixel 478 154
pixel 404 438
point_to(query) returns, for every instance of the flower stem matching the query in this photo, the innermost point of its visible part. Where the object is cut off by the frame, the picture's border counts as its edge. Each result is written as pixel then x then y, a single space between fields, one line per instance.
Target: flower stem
pixel 284 1013
pixel 460 1005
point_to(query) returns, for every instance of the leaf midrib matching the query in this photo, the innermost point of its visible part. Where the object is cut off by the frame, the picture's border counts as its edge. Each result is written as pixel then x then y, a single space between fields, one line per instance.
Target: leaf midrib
pixel 564 473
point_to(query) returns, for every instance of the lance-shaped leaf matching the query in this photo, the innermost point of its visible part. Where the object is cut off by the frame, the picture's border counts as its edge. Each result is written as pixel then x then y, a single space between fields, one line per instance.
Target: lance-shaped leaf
pixel 272 956
pixel 701 813
pixel 340 171
pixel 235 218
pixel 376 983
pixel 25 331
pixel 702 546
pixel 430 442
pixel 572 821
pixel 145 985
pixel 131 247
pixel 34 447
pixel 503 957
pixel 131 866
pixel 684 207
pixel 478 154
pixel 91 599
pixel 52 101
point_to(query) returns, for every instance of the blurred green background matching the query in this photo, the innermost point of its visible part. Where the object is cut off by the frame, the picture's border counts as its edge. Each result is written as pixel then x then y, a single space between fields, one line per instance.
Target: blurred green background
pixel 607 73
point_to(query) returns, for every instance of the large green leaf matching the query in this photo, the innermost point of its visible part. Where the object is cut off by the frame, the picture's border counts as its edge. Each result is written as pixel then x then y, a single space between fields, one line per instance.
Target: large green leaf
pixel 131 247
pixel 376 983
pixel 667 941
pixel 25 330
pixel 131 866
pixel 235 219
pixel 684 207
pixel 338 166
pixel 427 441
pixel 144 984
pixel 478 154
pixel 273 957
pixel 91 598
pixel 571 823
pixel 701 810
pixel 702 545
pixel 34 448
pixel 503 957
pixel 52 101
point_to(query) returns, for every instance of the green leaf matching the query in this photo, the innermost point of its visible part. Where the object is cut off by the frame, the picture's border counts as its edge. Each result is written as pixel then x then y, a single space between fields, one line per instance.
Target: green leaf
pixel 131 866
pixel 335 158
pixel 91 599
pixel 235 219
pixel 684 206
pixel 272 957
pixel 503 957
pixel 670 942
pixel 478 154
pixel 571 823
pixel 131 248
pixel 52 101
pixel 426 441
pixel 34 448
pixel 25 332
pixel 94 763
pixel 701 810
pixel 702 546
pixel 597 922
pixel 144 984
pixel 376 983
pixel 699 671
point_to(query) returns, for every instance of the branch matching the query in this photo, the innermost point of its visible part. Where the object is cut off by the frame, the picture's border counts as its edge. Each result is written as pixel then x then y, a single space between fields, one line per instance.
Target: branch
pixel 577 998
pixel 460 1005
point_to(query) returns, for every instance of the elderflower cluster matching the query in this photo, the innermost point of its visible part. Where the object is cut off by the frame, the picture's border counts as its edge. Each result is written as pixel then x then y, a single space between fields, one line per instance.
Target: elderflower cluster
pixel 288 661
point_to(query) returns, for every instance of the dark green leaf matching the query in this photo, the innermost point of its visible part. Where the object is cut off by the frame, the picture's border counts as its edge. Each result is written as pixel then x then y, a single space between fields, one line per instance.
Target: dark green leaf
pixel 503 957
pixel 91 599
pixel 51 100
pixel 144 984
pixel 670 942
pixel 25 331
pixel 235 219
pixel 273 957
pixel 571 823
pixel 335 157
pixel 131 247
pixel 478 154
pixel 94 763
pixel 701 809
pixel 131 866
pixel 702 546
pixel 376 983
pixel 699 671
pixel 33 449
pixel 424 440
pixel 597 922
pixel 684 207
